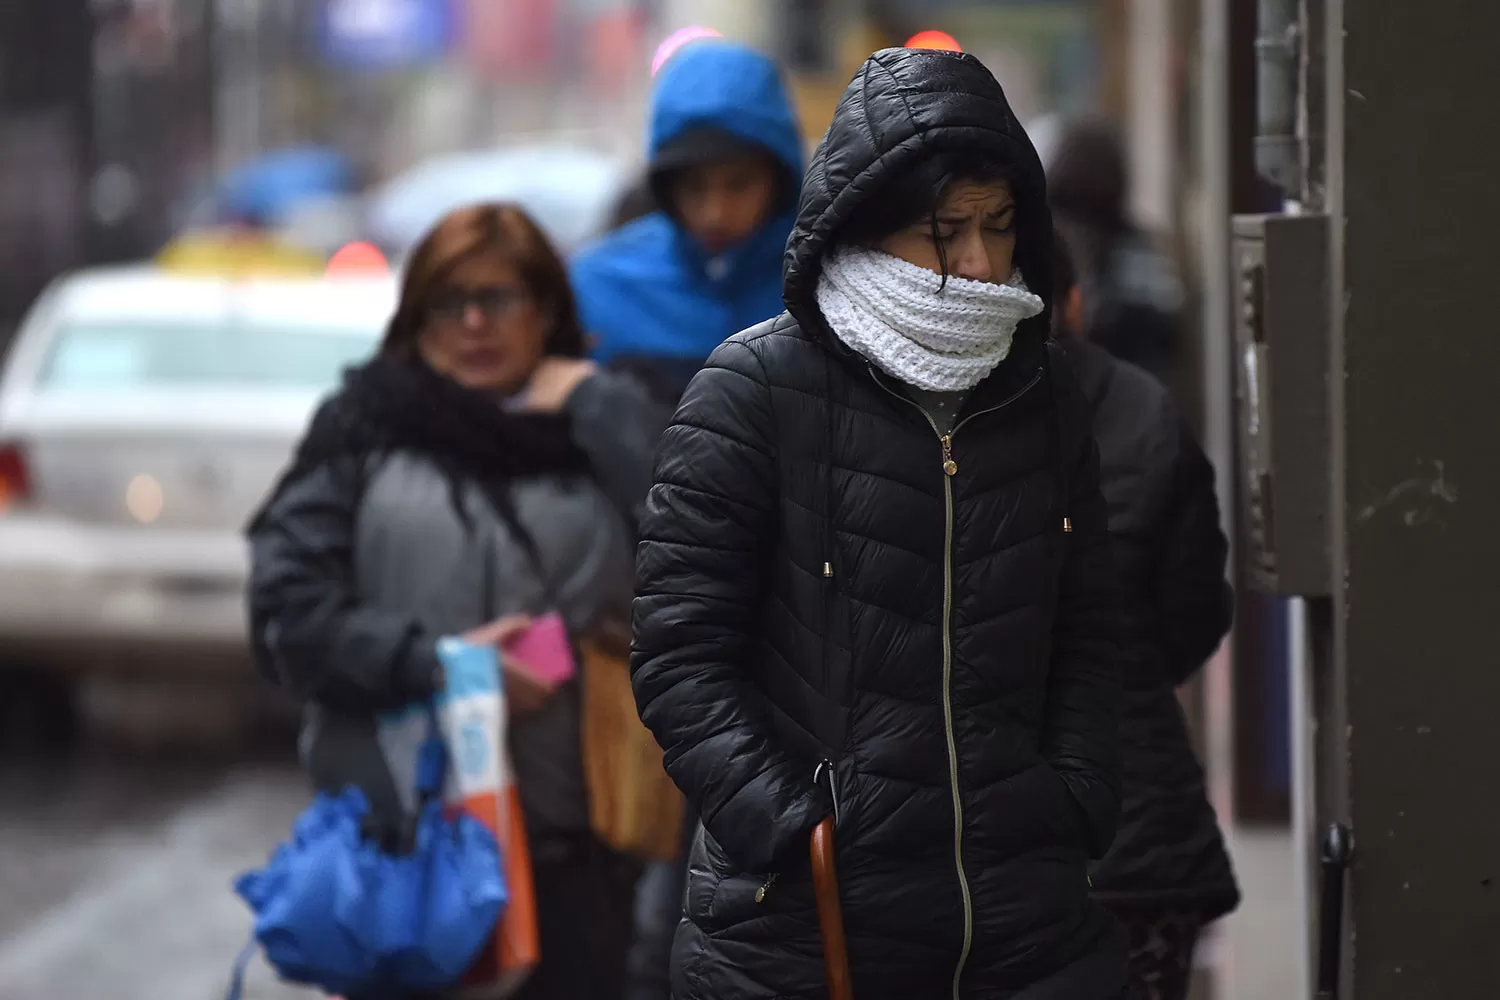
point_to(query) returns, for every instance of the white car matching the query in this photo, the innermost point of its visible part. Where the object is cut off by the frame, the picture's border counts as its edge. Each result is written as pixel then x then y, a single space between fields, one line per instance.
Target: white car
pixel 143 417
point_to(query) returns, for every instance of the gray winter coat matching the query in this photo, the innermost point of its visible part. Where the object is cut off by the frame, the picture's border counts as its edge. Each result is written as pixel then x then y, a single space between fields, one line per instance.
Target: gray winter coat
pixel 360 564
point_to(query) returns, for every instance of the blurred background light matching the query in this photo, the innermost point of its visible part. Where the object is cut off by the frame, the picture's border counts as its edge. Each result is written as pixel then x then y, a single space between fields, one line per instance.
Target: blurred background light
pixel 358 258
pixel 677 40
pixel 934 40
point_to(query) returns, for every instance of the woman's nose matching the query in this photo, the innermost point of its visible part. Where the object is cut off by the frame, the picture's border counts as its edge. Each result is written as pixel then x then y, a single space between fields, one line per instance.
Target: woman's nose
pixel 971 258
pixel 474 316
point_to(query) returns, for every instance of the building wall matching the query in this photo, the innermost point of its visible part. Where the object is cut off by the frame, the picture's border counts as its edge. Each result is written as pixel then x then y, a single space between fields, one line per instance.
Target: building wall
pixel 44 147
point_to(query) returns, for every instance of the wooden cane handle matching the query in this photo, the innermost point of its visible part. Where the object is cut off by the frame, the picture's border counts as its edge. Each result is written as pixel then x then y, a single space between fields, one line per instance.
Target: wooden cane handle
pixel 830 913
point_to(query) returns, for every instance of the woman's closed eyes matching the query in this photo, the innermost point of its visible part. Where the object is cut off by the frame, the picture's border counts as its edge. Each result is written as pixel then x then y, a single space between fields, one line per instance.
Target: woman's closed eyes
pixel 1001 223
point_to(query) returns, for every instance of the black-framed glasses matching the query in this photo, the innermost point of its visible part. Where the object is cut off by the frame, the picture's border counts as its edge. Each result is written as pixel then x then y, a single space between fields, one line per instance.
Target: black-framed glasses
pixel 490 301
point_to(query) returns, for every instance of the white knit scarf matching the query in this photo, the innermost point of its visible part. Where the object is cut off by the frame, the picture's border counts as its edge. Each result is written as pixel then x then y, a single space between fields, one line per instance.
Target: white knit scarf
pixel 892 312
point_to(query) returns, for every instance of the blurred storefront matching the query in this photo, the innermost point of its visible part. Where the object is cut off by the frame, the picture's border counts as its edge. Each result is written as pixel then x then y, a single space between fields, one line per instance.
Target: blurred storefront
pixel 105 124
pixel 152 112
pixel 1047 53
pixel 45 143
pixel 118 118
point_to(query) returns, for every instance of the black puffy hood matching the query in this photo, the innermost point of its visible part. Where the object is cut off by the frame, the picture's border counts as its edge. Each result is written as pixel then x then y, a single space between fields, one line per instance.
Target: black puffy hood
pixel 902 106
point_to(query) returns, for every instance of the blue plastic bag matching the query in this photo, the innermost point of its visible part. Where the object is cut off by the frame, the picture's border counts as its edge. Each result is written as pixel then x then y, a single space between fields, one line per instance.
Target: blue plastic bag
pixel 335 911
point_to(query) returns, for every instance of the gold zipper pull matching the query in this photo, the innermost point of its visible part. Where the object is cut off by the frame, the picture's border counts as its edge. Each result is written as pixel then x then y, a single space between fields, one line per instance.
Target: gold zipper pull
pixel 760 894
pixel 950 467
pixel 1067 525
pixel 828 571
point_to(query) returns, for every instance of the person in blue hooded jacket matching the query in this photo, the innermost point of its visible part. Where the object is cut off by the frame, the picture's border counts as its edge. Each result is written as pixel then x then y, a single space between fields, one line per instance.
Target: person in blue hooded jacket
pixel 660 293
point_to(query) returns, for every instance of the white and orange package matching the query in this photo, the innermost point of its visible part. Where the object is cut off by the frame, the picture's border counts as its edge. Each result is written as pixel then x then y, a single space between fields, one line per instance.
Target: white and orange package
pixel 472 715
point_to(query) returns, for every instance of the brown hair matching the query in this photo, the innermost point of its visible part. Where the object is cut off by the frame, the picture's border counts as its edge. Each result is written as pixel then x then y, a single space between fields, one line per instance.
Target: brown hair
pixel 467 233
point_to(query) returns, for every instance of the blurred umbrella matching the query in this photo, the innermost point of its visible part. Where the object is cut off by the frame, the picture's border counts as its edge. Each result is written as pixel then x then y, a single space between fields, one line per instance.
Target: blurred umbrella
pixel 268 187
pixel 322 223
pixel 570 192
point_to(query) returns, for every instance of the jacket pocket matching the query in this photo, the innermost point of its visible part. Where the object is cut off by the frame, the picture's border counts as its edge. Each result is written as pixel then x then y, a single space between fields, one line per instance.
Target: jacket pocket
pixel 721 896
pixel 1069 821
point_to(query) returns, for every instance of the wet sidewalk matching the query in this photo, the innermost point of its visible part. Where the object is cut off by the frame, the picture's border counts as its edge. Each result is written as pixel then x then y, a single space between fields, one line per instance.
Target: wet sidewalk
pixel 1250 955
pixel 115 880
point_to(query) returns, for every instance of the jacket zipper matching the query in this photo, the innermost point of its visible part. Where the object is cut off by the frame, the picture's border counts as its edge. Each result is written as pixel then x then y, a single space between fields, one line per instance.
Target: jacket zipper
pixel 950 469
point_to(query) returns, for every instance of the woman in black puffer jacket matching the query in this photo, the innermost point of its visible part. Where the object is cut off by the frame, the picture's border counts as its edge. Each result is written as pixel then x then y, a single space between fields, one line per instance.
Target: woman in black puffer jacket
pixel 875 582
pixel 1167 875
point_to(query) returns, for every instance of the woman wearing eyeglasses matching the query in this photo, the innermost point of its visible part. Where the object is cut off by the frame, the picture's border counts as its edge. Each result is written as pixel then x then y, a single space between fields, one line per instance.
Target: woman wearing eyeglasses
pixel 476 470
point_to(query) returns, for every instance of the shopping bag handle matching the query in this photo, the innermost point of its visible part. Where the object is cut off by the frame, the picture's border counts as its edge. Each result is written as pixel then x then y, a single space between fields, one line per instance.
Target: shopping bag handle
pixel 830 913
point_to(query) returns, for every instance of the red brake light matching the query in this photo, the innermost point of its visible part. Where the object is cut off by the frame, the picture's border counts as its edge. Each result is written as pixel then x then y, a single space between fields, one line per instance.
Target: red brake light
pixel 357 259
pixel 15 479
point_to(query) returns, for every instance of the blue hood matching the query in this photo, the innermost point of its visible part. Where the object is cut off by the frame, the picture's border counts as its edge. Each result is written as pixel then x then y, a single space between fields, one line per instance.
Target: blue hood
pixel 648 289
pixel 726 86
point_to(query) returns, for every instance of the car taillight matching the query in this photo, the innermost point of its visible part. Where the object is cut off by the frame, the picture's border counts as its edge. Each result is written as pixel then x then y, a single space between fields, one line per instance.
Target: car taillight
pixel 15 480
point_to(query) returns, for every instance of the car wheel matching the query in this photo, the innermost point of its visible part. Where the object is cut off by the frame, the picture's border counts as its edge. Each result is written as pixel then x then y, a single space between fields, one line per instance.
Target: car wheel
pixel 39 710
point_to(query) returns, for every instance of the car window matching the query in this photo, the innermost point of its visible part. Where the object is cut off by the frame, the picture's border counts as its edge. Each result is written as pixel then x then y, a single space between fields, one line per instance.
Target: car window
pixel 97 355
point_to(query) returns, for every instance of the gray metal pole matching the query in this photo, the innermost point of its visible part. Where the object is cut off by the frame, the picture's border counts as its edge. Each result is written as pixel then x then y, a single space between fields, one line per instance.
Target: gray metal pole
pixel 1277 149
pixel 1212 129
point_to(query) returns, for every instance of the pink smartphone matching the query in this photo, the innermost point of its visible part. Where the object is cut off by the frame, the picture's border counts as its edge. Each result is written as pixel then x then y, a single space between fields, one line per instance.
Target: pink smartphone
pixel 543 649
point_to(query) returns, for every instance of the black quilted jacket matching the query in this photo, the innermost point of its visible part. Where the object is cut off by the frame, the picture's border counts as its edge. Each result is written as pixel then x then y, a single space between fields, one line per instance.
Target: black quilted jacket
pixel 1171 555
pixel 812 586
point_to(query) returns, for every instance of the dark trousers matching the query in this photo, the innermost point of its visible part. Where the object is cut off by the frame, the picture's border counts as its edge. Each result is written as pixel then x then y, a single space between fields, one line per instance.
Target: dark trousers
pixel 1161 952
pixel 585 896
pixel 658 909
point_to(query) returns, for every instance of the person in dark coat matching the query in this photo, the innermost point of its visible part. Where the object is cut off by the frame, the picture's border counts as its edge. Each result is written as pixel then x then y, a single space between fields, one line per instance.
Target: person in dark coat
pixel 1132 294
pixel 1168 874
pixel 875 583
pixel 478 470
